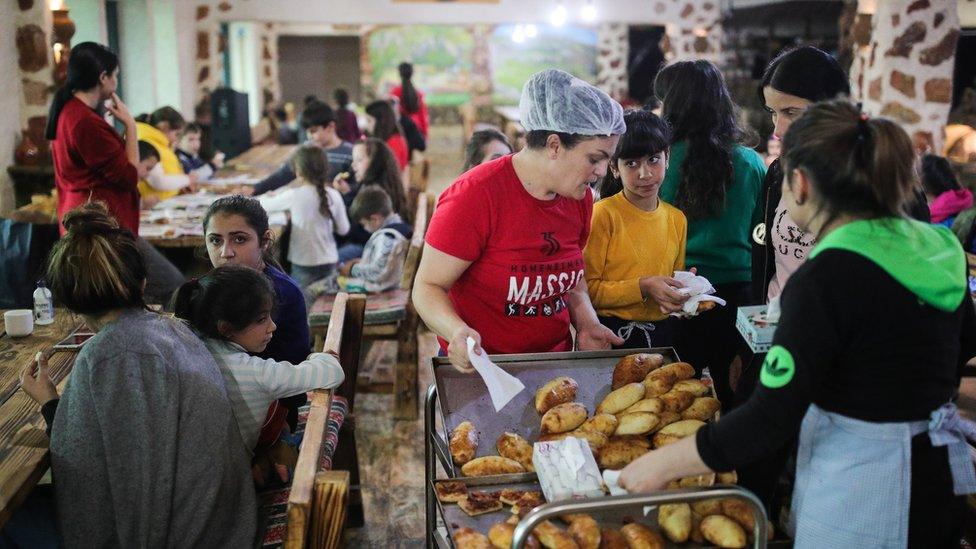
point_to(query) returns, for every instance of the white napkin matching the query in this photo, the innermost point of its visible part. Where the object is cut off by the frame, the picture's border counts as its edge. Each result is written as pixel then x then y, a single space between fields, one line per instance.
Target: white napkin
pixel 612 478
pixel 699 288
pixel 773 311
pixel 502 386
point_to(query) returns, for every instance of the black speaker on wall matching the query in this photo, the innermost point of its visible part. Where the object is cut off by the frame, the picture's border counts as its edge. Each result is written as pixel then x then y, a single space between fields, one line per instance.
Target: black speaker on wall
pixel 231 130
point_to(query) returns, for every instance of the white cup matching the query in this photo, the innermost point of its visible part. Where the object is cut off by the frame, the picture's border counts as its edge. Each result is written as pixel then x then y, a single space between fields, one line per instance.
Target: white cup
pixel 19 322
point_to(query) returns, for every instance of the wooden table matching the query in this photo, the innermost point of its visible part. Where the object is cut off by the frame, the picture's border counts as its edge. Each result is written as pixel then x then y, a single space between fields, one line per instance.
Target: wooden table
pixel 24 456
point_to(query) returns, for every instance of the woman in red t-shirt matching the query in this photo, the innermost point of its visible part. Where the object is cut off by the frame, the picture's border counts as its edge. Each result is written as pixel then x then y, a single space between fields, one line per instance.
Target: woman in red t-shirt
pixel 382 124
pixel 412 102
pixel 503 263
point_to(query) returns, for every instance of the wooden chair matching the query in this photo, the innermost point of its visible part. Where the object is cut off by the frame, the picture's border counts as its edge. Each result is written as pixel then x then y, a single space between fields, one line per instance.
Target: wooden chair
pixel 419 178
pixel 391 316
pixel 304 517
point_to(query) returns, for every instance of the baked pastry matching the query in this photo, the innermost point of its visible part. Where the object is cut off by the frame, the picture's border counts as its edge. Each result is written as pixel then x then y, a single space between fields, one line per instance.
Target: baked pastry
pixel 634 368
pixel 676 401
pixel 466 538
pixel 554 537
pixel 479 503
pixel 563 418
pixel 620 451
pixel 612 539
pixel 723 532
pixel 528 501
pixel 620 399
pixel 702 408
pixel 675 521
pixel 501 533
pixel 680 370
pixel 586 532
pixel 556 391
pixel 676 431
pixel 655 386
pixel 706 306
pixel 636 423
pixel 654 405
pixel 692 386
pixel 515 447
pixel 667 418
pixel 594 439
pixel 509 496
pixel 450 491
pixel 600 423
pixel 464 443
pixel 639 536
pixel 491 465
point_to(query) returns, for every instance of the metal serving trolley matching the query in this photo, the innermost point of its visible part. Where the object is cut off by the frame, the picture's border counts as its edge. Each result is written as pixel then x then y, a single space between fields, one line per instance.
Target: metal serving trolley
pixel 463 397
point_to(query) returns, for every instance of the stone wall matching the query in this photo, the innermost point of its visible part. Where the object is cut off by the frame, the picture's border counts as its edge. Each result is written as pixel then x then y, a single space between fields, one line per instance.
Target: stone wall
pixel 35 65
pixel 904 71
pixel 612 52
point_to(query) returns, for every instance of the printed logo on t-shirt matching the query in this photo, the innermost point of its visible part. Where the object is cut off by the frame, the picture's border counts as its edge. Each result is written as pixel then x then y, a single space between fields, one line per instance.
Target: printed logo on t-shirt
pixel 791 240
pixel 551 246
pixel 778 368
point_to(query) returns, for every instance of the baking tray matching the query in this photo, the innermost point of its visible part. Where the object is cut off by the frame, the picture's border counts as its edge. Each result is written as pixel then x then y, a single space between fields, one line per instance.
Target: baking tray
pixel 454 518
pixel 464 397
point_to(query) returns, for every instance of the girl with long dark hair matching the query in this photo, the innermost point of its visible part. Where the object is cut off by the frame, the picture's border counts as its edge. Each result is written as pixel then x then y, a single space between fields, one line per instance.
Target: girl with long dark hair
pixel 715 182
pixel 382 124
pixel 412 102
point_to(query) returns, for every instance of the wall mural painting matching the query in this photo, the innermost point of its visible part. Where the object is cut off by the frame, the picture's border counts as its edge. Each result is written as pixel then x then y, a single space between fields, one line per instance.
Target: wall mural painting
pixel 572 49
pixel 441 55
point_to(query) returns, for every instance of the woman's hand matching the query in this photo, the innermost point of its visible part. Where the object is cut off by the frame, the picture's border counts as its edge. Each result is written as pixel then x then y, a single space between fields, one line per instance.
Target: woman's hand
pixel 643 475
pixel 35 380
pixel 341 184
pixel 662 290
pixel 120 111
pixel 457 348
pixel 596 337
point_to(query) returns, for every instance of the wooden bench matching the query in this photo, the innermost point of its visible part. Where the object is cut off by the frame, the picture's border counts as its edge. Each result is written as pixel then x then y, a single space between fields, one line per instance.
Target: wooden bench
pixel 306 520
pixel 391 316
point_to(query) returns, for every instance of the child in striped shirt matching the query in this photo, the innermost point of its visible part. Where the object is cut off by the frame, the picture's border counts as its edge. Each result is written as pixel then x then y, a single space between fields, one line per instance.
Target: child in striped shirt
pixel 230 309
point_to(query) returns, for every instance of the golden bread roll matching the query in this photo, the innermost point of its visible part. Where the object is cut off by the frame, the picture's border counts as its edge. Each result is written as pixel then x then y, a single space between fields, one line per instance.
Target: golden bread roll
pixel 728 478
pixel 464 443
pixel 675 521
pixel 621 399
pixel 572 517
pixel 739 511
pixel 723 531
pixel 466 538
pixel 563 417
pixel 653 405
pixel 600 423
pixel 585 532
pixel 557 391
pixel 636 423
pixel 676 431
pixel 676 401
pixel 515 447
pixel 706 306
pixel 667 418
pixel 707 507
pixel 680 370
pixel 634 368
pixel 639 536
pixel 554 537
pixel 612 539
pixel 620 451
pixel 692 386
pixel 501 533
pixel 703 408
pixel 658 385
pixel 491 465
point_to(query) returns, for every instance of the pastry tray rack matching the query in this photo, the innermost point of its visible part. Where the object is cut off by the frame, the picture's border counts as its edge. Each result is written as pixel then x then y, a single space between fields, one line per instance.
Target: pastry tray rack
pixel 610 511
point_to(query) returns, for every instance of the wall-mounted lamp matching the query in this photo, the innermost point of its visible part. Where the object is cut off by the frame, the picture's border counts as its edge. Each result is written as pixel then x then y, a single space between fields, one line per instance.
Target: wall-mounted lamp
pixel 63 29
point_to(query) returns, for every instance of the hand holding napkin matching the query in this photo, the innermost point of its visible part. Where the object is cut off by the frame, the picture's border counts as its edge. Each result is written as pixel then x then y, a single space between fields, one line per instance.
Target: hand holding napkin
pixel 502 386
pixel 699 288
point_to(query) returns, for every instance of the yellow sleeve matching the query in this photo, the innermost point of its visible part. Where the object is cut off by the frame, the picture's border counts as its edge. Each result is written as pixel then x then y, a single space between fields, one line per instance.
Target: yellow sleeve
pixel 606 294
pixel 681 224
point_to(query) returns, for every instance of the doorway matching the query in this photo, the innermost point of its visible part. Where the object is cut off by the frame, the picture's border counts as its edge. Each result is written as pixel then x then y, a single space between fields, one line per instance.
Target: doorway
pixel 644 61
pixel 317 65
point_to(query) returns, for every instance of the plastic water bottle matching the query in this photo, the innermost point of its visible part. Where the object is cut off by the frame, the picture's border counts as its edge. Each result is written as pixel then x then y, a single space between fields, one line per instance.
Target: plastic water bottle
pixel 43 304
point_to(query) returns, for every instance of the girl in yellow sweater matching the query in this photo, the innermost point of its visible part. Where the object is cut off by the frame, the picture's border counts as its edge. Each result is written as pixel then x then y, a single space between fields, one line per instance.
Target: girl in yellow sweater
pixel 637 241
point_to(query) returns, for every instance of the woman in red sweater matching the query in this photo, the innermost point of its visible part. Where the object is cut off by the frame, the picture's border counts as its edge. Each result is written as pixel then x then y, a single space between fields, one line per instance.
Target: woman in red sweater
pixel 382 124
pixel 412 102
pixel 92 162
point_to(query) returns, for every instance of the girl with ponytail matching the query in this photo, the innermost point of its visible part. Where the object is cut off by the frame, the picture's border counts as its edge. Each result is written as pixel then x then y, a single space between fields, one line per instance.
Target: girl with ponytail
pixel 231 309
pixel 144 425
pixel 412 102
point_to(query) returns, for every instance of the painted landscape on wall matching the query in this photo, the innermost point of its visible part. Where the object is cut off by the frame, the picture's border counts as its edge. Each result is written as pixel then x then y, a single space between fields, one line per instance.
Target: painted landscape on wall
pixel 441 56
pixel 572 49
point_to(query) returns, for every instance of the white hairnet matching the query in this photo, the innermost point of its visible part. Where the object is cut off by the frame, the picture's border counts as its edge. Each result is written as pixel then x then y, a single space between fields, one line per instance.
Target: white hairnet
pixel 557 101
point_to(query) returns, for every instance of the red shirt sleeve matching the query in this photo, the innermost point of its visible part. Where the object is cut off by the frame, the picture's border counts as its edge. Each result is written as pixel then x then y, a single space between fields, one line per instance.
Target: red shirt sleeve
pixel 461 224
pixel 103 152
pixel 424 122
pixel 399 147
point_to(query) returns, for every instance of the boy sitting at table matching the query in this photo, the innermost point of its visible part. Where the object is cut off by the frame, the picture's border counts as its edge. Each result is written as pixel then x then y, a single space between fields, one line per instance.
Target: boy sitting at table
pixel 381 265
pixel 189 154
pixel 148 159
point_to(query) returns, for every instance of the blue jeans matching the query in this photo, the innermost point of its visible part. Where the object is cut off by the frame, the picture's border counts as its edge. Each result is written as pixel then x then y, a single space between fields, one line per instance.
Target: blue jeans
pixel 350 251
pixel 304 276
pixel 34 523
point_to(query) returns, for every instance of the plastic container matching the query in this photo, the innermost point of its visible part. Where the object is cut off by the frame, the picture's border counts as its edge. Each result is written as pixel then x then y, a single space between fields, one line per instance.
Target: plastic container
pixel 759 335
pixel 43 304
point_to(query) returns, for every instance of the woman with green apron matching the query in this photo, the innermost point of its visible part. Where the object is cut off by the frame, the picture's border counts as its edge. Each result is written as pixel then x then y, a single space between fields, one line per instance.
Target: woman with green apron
pixel 866 361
